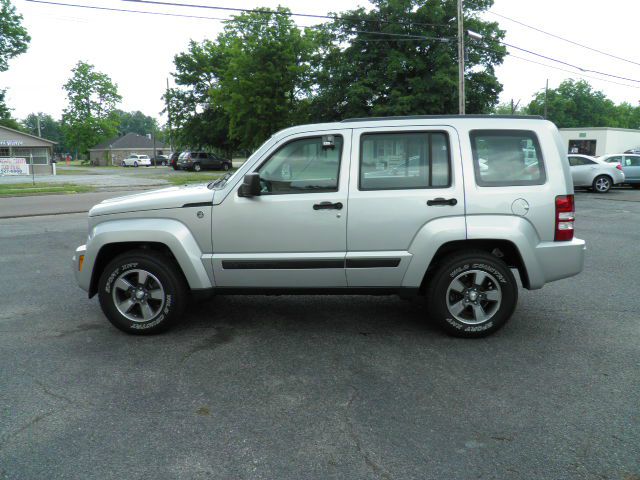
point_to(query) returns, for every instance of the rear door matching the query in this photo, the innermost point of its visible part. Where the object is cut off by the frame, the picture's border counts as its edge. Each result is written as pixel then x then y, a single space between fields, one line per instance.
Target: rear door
pixel 401 179
pixel 631 168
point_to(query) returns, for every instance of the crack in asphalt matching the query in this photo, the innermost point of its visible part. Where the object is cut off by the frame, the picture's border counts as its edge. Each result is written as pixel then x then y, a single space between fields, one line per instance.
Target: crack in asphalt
pixel 377 469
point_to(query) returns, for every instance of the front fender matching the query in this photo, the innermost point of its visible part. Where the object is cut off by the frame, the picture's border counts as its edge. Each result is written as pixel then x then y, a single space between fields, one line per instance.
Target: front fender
pixel 172 233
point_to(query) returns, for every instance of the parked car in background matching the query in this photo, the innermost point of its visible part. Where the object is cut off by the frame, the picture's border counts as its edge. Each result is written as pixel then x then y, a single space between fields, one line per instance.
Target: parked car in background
pixel 630 164
pixel 135 160
pixel 635 150
pixel 593 173
pixel 161 160
pixel 173 160
pixel 197 161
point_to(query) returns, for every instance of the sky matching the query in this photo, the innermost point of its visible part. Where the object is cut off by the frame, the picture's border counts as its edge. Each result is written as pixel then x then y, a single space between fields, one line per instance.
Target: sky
pixel 137 50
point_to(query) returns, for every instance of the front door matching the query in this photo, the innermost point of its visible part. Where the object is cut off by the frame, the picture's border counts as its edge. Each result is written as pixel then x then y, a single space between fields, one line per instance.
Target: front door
pixel 401 179
pixel 294 234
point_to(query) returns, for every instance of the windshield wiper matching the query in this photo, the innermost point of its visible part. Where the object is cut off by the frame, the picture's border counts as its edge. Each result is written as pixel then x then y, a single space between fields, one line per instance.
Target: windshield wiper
pixel 221 181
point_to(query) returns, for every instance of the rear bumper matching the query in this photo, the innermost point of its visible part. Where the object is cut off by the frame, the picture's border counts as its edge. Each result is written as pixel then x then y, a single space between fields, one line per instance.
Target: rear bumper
pixel 555 261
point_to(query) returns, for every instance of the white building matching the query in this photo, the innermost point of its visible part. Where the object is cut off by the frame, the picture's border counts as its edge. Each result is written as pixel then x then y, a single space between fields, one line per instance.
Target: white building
pixel 599 141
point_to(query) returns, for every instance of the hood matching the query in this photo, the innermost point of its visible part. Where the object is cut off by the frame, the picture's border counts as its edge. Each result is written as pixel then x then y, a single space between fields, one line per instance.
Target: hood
pixel 172 197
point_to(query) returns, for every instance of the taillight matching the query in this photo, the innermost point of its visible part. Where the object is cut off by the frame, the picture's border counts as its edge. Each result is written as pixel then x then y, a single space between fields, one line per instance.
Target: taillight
pixel 565 217
pixel 618 166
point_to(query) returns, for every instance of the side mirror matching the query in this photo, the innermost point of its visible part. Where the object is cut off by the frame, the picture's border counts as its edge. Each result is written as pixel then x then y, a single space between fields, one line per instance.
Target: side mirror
pixel 250 185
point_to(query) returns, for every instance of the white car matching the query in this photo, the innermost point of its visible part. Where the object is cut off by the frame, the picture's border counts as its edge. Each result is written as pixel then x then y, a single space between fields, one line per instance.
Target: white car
pixel 135 160
pixel 594 173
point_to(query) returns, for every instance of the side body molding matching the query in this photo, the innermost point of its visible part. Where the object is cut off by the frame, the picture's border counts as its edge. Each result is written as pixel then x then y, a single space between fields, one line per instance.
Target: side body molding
pixel 425 244
pixel 172 233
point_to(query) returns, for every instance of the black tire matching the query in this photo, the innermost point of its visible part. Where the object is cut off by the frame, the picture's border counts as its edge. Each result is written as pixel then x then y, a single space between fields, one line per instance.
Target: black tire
pixel 442 292
pixel 196 167
pixel 123 165
pixel 135 164
pixel 602 184
pixel 225 167
pixel 164 163
pixel 163 280
pixel 635 186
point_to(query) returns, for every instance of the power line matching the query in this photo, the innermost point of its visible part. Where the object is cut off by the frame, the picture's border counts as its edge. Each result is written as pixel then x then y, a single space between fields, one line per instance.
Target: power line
pixel 93 7
pixel 291 14
pixel 564 39
pixel 572 72
pixel 567 63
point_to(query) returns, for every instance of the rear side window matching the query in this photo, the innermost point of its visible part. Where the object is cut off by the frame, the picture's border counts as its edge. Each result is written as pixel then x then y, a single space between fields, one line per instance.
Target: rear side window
pixel 507 158
pixel 391 161
pixel 631 161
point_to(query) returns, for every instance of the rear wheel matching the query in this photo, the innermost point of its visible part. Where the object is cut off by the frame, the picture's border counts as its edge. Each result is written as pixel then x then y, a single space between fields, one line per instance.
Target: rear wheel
pixel 123 164
pixel 472 294
pixel 164 163
pixel 135 164
pixel 225 166
pixel 602 184
pixel 196 167
pixel 142 292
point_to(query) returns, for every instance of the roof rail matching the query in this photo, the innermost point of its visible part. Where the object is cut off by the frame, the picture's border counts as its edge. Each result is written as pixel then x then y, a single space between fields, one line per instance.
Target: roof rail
pixel 427 117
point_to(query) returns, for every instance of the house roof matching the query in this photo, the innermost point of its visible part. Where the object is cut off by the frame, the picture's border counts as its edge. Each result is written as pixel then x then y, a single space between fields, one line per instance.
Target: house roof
pixel 129 141
pixel 27 135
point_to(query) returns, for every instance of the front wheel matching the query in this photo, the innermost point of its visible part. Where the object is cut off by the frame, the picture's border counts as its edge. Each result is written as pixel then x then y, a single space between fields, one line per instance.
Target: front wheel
pixel 472 294
pixel 164 164
pixel 123 164
pixel 196 167
pixel 601 184
pixel 225 167
pixel 135 164
pixel 142 292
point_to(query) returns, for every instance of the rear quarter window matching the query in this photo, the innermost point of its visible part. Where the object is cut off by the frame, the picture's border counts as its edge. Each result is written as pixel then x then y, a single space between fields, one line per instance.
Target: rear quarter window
pixel 507 158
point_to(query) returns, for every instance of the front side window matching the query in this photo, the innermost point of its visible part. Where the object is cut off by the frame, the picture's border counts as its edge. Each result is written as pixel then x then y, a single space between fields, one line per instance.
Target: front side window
pixel 307 165
pixel 391 161
pixel 507 158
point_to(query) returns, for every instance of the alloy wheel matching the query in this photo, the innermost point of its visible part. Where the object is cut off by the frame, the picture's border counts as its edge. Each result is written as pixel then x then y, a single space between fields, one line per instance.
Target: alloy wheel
pixel 474 297
pixel 138 295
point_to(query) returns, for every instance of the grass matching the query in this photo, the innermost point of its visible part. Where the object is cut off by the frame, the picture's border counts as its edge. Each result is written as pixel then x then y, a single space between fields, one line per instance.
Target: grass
pixel 27 189
pixel 185 178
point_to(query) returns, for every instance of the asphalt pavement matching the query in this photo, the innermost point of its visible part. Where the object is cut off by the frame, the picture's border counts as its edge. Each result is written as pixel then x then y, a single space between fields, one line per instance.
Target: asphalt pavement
pixel 321 387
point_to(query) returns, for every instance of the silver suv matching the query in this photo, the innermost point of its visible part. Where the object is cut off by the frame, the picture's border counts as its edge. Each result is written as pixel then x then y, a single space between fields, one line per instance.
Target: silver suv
pixel 447 208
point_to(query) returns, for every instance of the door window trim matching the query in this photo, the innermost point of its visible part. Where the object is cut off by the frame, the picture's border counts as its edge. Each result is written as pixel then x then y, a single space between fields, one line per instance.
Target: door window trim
pixel 404 132
pixel 257 168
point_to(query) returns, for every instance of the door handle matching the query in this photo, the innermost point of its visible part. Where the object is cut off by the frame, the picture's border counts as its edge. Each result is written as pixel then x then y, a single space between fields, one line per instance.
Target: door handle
pixel 442 201
pixel 328 206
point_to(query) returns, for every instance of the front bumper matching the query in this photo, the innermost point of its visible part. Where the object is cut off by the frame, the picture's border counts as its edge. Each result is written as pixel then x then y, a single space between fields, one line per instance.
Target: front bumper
pixel 83 276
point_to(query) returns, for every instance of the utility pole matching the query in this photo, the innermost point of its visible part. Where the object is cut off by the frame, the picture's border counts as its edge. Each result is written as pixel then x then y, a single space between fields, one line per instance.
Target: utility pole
pixel 461 94
pixel 38 123
pixel 169 117
pixel 546 89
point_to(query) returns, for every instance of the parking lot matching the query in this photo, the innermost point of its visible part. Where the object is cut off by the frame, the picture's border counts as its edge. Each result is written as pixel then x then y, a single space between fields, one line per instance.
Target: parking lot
pixel 319 387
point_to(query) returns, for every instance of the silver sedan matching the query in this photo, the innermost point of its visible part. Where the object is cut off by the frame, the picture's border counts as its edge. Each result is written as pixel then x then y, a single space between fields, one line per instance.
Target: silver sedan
pixel 594 173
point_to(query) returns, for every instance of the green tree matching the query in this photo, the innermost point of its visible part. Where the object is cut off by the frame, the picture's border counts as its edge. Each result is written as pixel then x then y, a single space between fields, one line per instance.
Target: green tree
pixel 14 38
pixel 400 58
pixel 135 122
pixel 90 116
pixel 5 114
pixel 14 41
pixel 575 104
pixel 251 81
pixel 50 128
